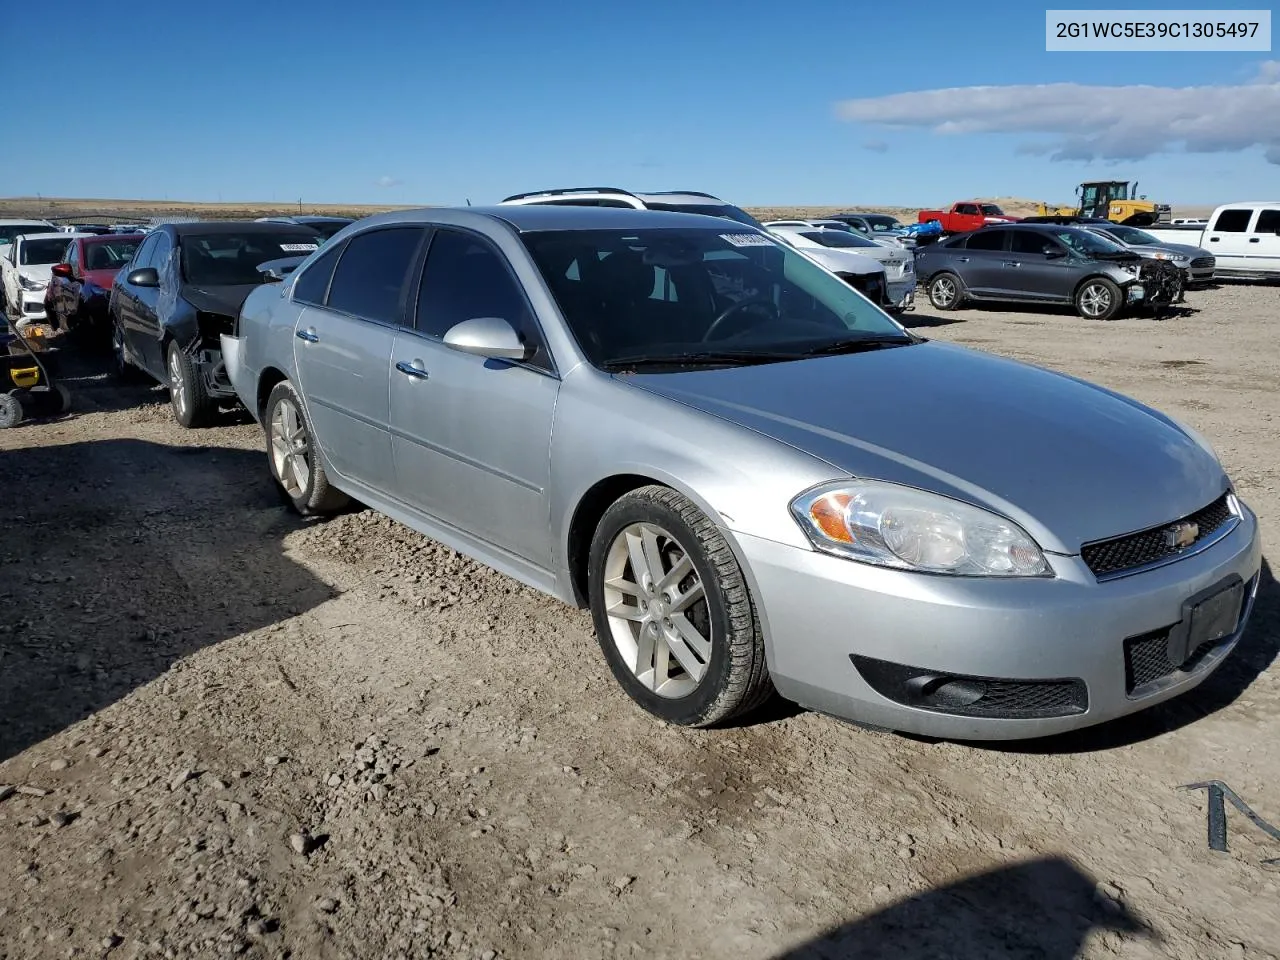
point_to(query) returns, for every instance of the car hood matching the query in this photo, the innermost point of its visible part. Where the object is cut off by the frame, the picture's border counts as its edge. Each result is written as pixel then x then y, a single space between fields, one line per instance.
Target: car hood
pixel 1185 249
pixel 225 300
pixel 1070 461
pixel 101 278
pixel 843 261
pixel 36 271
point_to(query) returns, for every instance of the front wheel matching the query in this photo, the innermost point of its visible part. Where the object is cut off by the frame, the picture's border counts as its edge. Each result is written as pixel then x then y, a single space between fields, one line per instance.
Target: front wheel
pixel 124 370
pixel 1098 299
pixel 192 405
pixel 295 465
pixel 672 611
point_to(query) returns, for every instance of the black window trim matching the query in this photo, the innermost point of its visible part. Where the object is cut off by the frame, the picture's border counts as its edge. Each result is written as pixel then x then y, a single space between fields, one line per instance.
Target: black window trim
pixel 986 232
pixel 135 263
pixel 411 322
pixel 338 251
pixel 423 242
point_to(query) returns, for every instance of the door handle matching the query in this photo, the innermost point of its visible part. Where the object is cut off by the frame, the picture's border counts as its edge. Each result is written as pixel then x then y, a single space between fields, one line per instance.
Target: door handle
pixel 308 335
pixel 1253 239
pixel 1012 263
pixel 962 259
pixel 1213 239
pixel 412 368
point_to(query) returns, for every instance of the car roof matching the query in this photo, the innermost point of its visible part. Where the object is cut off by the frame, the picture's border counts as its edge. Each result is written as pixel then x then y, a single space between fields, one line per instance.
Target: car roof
pixel 21 222
pixel 204 228
pixel 109 237
pixel 60 234
pixel 531 217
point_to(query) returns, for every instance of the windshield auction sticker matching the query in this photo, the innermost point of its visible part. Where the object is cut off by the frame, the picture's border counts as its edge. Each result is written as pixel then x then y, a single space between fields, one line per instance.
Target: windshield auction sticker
pixel 1173 30
pixel 747 239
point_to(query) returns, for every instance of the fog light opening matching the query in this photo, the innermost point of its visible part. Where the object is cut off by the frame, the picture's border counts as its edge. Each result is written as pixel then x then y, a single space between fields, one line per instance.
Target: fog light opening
pixel 945 692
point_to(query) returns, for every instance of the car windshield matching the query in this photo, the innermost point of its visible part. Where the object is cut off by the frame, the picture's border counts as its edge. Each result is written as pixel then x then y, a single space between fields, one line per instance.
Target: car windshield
pixel 1089 244
pixel 231 259
pixel 44 250
pixel 726 210
pixel 682 296
pixel 991 210
pixel 10 230
pixel 882 224
pixel 839 238
pixel 1132 234
pixel 109 255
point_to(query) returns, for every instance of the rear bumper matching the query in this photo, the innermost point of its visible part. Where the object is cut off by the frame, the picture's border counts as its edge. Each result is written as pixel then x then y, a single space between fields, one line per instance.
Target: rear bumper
pixel 237 376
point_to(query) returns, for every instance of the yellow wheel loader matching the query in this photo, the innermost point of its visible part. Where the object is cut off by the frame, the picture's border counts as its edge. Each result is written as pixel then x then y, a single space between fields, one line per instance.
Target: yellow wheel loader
pixel 1114 200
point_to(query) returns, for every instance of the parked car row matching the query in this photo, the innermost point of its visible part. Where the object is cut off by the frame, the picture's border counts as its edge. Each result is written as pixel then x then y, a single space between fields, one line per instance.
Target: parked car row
pixel 753 477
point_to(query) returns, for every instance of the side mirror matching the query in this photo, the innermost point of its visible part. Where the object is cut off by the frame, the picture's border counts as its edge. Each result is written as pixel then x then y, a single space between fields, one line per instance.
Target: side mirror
pixel 61 270
pixel 490 337
pixel 1054 253
pixel 144 277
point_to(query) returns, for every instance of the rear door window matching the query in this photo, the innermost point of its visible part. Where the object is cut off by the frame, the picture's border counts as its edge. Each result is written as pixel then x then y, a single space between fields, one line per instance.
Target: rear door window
pixel 987 240
pixel 1268 222
pixel 372 275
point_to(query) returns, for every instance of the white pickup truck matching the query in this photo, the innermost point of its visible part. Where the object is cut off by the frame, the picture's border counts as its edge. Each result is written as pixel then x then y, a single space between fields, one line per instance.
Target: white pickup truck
pixel 1243 237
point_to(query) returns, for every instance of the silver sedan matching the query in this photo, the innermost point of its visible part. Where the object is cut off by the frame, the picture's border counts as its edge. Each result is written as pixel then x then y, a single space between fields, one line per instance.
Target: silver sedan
pixel 752 476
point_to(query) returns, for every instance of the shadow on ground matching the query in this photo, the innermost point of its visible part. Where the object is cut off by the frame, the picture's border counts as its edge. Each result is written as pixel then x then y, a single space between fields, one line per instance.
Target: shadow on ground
pixel 120 557
pixel 1043 909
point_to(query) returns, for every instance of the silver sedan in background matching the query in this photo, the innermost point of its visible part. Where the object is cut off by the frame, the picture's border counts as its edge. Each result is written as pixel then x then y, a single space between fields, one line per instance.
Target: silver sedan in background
pixel 752 476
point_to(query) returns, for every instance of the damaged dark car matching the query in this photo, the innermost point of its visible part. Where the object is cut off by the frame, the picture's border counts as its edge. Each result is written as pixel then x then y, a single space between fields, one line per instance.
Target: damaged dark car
pixel 181 291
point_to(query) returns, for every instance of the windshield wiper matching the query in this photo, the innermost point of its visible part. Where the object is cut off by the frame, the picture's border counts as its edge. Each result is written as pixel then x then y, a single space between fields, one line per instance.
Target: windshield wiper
pixel 858 345
pixel 739 358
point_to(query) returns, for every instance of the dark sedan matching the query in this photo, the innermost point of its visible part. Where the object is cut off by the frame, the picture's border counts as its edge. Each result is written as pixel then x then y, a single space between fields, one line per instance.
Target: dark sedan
pixel 76 298
pixel 181 291
pixel 1032 263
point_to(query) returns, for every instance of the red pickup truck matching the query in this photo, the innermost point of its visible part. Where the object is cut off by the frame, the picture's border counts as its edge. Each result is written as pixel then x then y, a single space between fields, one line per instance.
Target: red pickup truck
pixel 966 215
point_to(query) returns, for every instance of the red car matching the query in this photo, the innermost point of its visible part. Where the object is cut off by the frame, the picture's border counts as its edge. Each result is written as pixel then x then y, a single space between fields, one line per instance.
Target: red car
pixel 966 215
pixel 76 298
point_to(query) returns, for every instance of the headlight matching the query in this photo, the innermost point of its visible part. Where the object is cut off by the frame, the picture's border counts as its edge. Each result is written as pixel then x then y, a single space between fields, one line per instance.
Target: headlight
pixel 1134 268
pixel 894 526
pixel 29 284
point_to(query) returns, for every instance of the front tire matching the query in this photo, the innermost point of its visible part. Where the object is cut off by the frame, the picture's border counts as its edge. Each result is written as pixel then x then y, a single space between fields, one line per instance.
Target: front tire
pixel 672 611
pixel 192 406
pixel 291 452
pixel 946 291
pixel 1098 299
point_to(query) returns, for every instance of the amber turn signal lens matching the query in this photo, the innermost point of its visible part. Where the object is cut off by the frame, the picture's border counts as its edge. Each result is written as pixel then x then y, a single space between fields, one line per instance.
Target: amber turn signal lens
pixel 828 516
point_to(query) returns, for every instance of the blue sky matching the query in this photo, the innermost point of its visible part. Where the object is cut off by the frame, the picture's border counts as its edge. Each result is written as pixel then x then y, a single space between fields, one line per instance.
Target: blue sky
pixel 396 101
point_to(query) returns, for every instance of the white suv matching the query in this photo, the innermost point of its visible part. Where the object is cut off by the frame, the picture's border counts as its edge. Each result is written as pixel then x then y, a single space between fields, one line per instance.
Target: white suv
pixel 680 201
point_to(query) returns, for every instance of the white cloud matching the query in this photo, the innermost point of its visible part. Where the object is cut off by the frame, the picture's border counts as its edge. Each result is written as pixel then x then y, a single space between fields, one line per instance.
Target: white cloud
pixel 385 181
pixel 875 146
pixel 1080 122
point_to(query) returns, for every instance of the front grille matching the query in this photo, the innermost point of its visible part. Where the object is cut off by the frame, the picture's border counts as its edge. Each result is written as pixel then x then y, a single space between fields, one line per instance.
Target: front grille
pixel 1111 557
pixel 1202 263
pixel 973 696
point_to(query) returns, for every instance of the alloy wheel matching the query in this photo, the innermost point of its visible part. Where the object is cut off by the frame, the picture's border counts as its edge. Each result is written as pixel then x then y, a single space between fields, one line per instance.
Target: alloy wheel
pixel 177 383
pixel 290 448
pixel 657 609
pixel 943 292
pixel 1095 300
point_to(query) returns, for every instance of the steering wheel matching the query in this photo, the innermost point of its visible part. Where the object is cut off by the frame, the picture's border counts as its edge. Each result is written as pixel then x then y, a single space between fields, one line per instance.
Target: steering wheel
pixel 741 305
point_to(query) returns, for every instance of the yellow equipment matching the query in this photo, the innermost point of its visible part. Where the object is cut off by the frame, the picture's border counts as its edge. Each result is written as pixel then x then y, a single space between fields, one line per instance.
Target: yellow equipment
pixel 1114 200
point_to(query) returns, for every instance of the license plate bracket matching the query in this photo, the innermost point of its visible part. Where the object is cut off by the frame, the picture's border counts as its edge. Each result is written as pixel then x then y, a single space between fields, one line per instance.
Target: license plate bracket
pixel 1207 617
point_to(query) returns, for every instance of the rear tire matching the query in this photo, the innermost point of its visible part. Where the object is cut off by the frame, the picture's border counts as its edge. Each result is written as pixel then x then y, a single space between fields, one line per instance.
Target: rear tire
pixel 946 291
pixel 672 611
pixel 192 406
pixel 292 457
pixel 1098 299
pixel 10 411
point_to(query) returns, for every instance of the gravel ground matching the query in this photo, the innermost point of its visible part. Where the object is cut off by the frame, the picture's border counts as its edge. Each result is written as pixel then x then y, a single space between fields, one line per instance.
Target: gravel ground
pixel 235 733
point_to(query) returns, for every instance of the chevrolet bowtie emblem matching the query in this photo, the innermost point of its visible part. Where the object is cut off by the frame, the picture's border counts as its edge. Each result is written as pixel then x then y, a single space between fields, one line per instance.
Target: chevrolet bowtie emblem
pixel 1181 535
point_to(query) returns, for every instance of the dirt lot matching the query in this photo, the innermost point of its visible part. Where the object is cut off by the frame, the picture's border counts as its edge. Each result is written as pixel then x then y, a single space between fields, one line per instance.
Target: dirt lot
pixel 236 733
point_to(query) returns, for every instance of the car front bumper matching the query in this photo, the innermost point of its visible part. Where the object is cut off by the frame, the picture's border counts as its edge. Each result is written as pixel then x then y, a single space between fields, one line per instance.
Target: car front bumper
pixel 902 292
pixel 825 619
pixel 33 305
